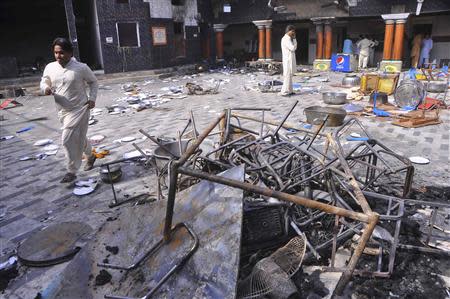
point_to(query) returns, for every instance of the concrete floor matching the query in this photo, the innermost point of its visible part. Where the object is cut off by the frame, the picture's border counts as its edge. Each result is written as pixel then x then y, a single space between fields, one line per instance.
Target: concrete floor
pixel 32 197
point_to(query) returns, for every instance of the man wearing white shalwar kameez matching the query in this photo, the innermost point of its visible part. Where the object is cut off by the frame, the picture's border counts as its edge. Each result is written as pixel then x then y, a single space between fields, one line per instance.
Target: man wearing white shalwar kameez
pixel 288 47
pixel 66 80
pixel 364 46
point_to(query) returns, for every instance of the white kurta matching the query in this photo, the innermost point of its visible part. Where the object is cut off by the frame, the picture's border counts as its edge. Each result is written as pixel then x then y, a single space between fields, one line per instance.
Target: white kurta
pixel 288 47
pixel 364 46
pixel 69 88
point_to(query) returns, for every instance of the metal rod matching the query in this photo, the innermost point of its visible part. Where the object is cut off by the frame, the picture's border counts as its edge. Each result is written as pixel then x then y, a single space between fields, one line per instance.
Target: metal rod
pixel 157 142
pixel 274 124
pixel 173 175
pixel 408 201
pixel 346 276
pixel 276 194
pixel 318 130
pixel 285 118
pixel 119 161
pixel 335 233
pixel 193 124
pixel 431 224
pixel 180 147
pixel 139 149
pixel 251 109
pixel 228 144
pixel 112 185
pixel 155 248
pixel 361 200
pixel 192 148
pixel 244 129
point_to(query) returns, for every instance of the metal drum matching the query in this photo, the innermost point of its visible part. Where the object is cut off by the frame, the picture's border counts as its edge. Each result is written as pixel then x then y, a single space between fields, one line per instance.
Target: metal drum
pixel 409 93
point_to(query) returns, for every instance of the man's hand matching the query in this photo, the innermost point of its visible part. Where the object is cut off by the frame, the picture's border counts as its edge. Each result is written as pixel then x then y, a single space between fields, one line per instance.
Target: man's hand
pixel 48 91
pixel 91 104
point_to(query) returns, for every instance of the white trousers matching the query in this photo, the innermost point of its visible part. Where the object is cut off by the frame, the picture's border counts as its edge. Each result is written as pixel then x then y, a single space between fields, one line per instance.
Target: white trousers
pixel 74 140
pixel 363 59
pixel 287 84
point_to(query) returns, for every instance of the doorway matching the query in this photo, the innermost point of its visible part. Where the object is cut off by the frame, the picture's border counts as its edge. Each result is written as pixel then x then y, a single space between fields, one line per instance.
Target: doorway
pixel 302 36
pixel 422 29
pixel 178 39
pixel 87 33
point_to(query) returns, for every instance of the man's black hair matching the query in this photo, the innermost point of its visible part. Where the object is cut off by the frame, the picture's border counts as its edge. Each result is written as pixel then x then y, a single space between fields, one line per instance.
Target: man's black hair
pixel 64 43
pixel 289 28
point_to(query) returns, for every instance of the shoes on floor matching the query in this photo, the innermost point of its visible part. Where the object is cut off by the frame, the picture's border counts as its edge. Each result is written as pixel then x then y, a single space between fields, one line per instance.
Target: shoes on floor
pixel 68 178
pixel 90 163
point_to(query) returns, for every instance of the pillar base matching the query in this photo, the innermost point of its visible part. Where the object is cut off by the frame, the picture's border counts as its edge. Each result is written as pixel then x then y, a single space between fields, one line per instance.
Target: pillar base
pixel 322 64
pixel 261 59
pixel 391 66
pixel 268 59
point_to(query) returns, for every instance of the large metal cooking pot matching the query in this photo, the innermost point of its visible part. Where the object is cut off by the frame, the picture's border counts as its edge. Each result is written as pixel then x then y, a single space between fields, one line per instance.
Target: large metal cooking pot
pixel 409 93
pixel 436 86
pixel 334 98
pixel 351 81
pixel 315 115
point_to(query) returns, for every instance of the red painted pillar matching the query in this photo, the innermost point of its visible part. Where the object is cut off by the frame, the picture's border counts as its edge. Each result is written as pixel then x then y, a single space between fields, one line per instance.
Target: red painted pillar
pixel 397 51
pixel 261 43
pixel 219 28
pixel 328 40
pixel 319 40
pixel 219 44
pixel 388 39
pixel 269 42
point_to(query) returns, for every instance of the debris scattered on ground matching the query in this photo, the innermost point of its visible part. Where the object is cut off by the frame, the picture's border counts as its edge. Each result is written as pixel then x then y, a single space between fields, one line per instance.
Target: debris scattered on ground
pixel 113 249
pixel 102 278
pixel 43 142
pixel 25 129
pixel 50 149
pixel 85 187
pixel 100 154
pixel 96 139
pixel 419 160
pixel 7 137
pixel 8 271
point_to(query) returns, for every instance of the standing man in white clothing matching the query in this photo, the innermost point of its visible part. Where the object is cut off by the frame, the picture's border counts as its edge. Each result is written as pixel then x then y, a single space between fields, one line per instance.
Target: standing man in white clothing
pixel 364 46
pixel 427 45
pixel 66 80
pixel 288 47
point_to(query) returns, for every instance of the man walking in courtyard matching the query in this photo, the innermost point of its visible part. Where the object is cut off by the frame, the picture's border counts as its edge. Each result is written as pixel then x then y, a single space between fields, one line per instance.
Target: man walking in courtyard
pixel 288 47
pixel 65 79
